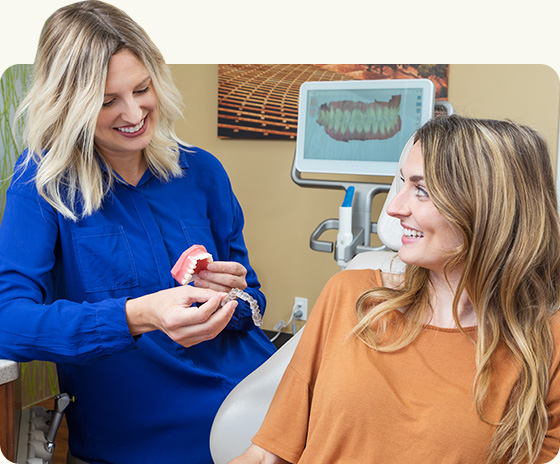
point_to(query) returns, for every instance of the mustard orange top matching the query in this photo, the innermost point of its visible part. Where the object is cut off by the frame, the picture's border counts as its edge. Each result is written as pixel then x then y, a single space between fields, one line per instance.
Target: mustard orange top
pixel 342 402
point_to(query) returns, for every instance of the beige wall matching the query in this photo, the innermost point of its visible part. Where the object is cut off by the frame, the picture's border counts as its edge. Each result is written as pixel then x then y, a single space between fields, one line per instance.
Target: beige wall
pixel 280 216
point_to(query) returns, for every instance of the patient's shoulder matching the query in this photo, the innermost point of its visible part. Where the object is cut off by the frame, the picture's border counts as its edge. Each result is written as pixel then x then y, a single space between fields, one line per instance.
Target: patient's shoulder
pixel 365 278
pixel 357 278
pixel 337 301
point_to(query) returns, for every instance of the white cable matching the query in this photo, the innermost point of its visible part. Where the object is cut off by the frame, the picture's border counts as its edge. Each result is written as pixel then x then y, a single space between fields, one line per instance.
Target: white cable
pixel 282 325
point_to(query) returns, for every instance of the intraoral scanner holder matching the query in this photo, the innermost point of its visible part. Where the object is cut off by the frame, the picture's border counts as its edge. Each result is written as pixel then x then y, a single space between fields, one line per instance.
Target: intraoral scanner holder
pixel 356 217
pixel 326 145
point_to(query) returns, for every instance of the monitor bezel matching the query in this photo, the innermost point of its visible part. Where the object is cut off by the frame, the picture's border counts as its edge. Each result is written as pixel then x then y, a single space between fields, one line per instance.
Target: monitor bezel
pixel 346 167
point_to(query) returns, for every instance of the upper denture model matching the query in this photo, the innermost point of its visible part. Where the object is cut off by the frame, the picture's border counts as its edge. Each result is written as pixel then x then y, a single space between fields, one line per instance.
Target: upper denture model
pixel 350 120
pixel 190 263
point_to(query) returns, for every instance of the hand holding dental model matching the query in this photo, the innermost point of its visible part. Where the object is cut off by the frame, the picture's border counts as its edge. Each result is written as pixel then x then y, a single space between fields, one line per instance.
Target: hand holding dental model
pixel 195 260
pixel 167 307
pixel 165 311
pixel 197 265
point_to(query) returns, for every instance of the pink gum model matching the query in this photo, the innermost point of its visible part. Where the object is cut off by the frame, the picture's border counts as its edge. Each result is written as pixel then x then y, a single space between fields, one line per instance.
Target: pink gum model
pixel 190 263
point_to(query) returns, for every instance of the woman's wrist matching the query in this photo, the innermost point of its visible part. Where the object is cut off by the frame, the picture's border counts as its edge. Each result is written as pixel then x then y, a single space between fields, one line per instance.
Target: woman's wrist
pixel 138 315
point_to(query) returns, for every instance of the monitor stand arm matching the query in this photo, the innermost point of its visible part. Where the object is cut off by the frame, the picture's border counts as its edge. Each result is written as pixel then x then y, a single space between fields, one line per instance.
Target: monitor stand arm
pixel 362 226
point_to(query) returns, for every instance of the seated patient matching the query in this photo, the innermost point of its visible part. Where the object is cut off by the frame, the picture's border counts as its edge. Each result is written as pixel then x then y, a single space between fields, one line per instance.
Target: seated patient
pixel 458 360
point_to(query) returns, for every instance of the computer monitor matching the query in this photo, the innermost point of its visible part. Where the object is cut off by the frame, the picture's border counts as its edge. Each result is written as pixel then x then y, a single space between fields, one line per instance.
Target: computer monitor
pixel 359 127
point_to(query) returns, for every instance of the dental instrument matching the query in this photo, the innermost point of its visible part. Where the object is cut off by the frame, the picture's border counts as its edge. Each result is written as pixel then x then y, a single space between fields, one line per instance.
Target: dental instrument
pixel 345 236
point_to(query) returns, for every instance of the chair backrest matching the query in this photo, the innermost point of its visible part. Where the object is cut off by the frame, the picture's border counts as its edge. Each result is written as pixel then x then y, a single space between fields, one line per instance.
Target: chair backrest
pixel 241 414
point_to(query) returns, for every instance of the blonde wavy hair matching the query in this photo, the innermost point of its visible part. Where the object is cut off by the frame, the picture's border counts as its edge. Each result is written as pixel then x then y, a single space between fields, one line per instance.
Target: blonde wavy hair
pixel 494 181
pixel 62 106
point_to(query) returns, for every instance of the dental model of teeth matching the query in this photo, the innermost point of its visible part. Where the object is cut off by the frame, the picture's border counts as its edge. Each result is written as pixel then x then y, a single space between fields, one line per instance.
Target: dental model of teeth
pixel 190 263
pixel 350 120
pixel 236 293
pixel 194 260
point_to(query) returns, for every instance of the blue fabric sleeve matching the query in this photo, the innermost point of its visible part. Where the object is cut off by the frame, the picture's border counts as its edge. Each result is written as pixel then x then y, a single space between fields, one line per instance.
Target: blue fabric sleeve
pixel 31 325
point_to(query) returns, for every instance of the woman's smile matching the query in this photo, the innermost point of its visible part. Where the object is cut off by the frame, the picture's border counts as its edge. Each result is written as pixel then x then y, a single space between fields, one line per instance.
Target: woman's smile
pixel 126 122
pixel 133 131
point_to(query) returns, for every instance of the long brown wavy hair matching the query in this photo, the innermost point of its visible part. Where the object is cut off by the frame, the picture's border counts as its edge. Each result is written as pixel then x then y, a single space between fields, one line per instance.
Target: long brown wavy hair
pixel 494 181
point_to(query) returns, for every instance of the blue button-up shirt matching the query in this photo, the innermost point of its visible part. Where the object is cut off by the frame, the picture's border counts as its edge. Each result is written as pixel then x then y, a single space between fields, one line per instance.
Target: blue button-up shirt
pixel 63 288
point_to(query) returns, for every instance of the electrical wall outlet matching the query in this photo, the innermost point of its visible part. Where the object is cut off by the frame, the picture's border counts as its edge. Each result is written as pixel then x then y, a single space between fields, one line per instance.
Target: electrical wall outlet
pixel 300 308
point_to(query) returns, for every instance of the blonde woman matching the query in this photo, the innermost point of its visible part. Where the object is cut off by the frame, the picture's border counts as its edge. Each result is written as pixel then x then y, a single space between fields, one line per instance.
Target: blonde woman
pixel 101 205
pixel 458 360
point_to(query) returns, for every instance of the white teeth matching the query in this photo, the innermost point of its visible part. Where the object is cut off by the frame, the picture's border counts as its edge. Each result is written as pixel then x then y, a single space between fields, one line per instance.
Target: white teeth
pixel 202 256
pixel 412 233
pixel 189 275
pixel 132 130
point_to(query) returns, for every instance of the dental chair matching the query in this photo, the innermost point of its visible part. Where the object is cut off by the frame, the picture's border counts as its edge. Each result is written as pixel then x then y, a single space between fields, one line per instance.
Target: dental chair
pixel 243 411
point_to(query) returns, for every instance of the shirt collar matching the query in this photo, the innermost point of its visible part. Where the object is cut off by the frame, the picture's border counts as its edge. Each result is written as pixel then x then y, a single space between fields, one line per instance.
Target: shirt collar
pixel 183 150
